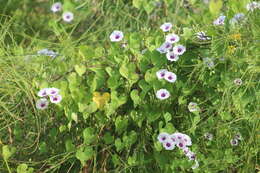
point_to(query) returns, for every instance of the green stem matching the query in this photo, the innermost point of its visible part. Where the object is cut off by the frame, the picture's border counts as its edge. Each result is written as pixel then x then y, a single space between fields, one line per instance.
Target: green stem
pixel 7 166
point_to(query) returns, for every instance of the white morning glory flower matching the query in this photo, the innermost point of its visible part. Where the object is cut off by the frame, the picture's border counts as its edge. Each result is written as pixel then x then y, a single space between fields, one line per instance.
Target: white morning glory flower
pixel 68 16
pixel 56 7
pixel 179 49
pixel 116 36
pixel 43 92
pixel 238 136
pixel 187 140
pixel 55 99
pixel 169 145
pixel 162 137
pixel 208 136
pixel 208 62
pixel 42 104
pixel 47 52
pixel 162 94
pixel 202 36
pixel 234 142
pixel 191 155
pixel 238 82
pixel 193 107
pixel 237 18
pixel 196 165
pixel 220 20
pixel 252 6
pixel 53 91
pixel 170 77
pixel 161 73
pixel 166 46
pixel 171 56
pixel 172 38
pixel 166 27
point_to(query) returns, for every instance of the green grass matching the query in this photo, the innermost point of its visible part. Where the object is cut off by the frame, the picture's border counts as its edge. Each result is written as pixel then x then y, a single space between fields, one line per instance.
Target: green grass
pixel 75 136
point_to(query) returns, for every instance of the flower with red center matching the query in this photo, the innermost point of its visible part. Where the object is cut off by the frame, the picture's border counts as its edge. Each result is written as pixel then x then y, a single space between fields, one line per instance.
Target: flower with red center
pixel 179 49
pixel 234 142
pixel 43 92
pixel 42 104
pixel 67 16
pixel 168 145
pixel 170 77
pixel 163 137
pixel 161 73
pixel 162 94
pixel 116 36
pixel 166 27
pixel 53 91
pixel 55 99
pixel 171 56
pixel 172 38
pixel 56 7
pixel 238 82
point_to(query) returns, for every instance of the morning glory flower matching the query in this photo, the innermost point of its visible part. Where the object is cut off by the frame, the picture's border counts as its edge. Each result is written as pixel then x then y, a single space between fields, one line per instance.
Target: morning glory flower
pixel 237 18
pixel 208 136
pixel 238 82
pixel 234 142
pixel 163 137
pixel 179 49
pixel 202 36
pixel 67 16
pixel 187 140
pixel 193 107
pixel 220 20
pixel 47 52
pixel 166 46
pixel 166 27
pixel 161 73
pixel 43 92
pixel 191 155
pixel 56 7
pixel 42 104
pixel 168 145
pixel 116 36
pixel 170 77
pixel 252 6
pixel 162 94
pixel 172 38
pixel 52 91
pixel 55 99
pixel 238 136
pixel 171 56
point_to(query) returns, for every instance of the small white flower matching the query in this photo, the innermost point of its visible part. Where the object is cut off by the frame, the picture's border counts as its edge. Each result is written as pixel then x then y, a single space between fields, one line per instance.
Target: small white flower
pixel 166 27
pixel 172 38
pixel 163 137
pixel 166 46
pixel 234 142
pixel 238 136
pixel 202 36
pixel 161 73
pixel 47 52
pixel 181 144
pixel 56 7
pixel 220 20
pixel 55 99
pixel 252 6
pixel 238 82
pixel 116 36
pixel 179 49
pixel 67 16
pixel 187 140
pixel 191 155
pixel 53 91
pixel 196 165
pixel 162 94
pixel 193 107
pixel 171 56
pixel 42 104
pixel 237 18
pixel 209 62
pixel 170 77
pixel 208 136
pixel 43 92
pixel 169 145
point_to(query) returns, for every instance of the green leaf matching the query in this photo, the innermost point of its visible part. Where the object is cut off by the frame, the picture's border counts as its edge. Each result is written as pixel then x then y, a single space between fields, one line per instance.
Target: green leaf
pixel 88 135
pixel 119 145
pixel 168 117
pixel 84 154
pixel 121 124
pixel 80 69
pixel 86 52
pixel 69 146
pixel 137 3
pixel 108 138
pixel 7 152
pixel 135 97
pixel 215 7
pixel 149 6
pixel 187 33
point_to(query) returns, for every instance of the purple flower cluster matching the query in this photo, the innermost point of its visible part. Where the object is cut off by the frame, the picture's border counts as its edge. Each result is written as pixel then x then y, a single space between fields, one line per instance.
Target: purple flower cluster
pixel 52 93
pixel 181 141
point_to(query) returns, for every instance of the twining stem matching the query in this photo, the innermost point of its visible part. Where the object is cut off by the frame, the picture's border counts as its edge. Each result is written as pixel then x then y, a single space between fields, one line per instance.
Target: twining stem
pixel 7 166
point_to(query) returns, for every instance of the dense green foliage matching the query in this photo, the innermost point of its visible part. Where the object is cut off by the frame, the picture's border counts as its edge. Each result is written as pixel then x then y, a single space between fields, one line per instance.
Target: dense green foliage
pixel 109 117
